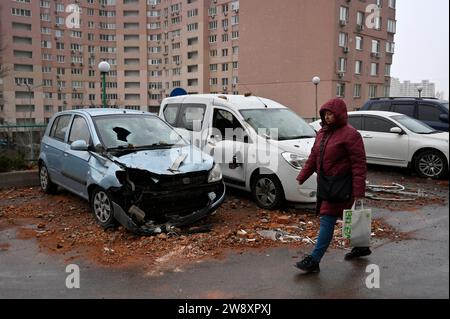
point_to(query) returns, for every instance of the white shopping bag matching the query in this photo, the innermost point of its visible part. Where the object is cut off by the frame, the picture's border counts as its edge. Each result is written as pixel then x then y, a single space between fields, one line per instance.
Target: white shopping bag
pixel 357 226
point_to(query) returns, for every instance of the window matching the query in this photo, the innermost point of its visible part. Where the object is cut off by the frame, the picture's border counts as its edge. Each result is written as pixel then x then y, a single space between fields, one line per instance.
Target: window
pixel 343 39
pixel 391 26
pixel 342 65
pixel 228 125
pixel 427 112
pixel 380 106
pixel 407 109
pixel 343 14
pixel 374 69
pixel 79 131
pixel 359 43
pixel 357 91
pixel 191 117
pixel 373 90
pixel 387 70
pixel 340 92
pixel 392 4
pixel 375 46
pixel 60 127
pixel 360 17
pixel 376 124
pixel 358 67
pixel 171 113
pixel 356 122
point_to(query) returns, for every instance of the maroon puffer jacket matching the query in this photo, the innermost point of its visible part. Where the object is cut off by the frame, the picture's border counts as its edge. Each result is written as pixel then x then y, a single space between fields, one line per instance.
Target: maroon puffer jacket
pixel 344 152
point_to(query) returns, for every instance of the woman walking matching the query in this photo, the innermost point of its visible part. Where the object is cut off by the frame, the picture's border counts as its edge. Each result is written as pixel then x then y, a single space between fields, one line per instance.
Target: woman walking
pixel 339 159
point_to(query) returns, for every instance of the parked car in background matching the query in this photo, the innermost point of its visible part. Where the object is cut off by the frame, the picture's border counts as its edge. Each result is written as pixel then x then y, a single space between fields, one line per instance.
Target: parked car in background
pixel 132 167
pixel 432 112
pixel 264 127
pixel 395 139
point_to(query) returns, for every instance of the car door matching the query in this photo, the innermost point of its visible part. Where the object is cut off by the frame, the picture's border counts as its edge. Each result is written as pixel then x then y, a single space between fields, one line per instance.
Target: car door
pixel 382 146
pixel 54 147
pixel 229 144
pixel 430 114
pixel 75 167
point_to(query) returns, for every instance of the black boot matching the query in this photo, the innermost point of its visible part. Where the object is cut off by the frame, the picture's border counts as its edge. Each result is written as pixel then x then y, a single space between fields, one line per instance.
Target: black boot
pixel 358 252
pixel 308 264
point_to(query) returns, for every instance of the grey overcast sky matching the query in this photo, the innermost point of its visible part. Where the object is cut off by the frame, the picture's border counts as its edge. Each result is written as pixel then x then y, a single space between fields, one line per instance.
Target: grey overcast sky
pixel 422 42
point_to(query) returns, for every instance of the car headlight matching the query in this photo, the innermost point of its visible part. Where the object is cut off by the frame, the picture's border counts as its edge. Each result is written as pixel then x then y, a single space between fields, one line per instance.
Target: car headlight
pixel 215 175
pixel 295 160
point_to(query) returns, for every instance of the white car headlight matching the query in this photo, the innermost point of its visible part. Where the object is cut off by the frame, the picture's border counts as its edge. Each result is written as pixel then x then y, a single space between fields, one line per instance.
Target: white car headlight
pixel 215 175
pixel 295 160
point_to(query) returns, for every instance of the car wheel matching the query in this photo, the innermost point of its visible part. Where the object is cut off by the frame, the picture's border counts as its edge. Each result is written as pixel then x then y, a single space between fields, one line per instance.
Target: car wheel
pixel 267 191
pixel 431 164
pixel 44 179
pixel 102 208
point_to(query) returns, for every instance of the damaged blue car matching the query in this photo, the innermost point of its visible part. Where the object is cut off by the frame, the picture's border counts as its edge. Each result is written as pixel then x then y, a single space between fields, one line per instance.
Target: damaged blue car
pixel 132 166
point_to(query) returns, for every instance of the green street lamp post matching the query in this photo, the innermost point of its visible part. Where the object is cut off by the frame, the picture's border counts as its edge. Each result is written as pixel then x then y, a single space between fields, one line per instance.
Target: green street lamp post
pixel 104 68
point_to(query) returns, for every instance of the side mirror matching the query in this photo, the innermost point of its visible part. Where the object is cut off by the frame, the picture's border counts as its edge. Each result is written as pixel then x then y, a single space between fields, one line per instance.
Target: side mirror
pixel 79 145
pixel 396 130
pixel 444 118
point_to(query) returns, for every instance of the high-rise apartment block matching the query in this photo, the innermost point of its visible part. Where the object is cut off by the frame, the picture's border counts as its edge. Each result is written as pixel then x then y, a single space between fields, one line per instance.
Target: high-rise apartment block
pixel 271 48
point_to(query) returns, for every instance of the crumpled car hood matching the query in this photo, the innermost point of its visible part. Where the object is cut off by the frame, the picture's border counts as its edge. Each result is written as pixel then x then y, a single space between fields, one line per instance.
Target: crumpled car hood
pixel 161 160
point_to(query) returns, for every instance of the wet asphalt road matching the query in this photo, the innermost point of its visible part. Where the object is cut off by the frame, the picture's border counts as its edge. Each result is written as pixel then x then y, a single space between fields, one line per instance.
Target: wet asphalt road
pixel 415 268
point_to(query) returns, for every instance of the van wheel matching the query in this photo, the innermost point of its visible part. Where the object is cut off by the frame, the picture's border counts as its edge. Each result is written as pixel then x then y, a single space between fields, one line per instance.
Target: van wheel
pixel 267 191
pixel 102 208
pixel 431 164
pixel 44 179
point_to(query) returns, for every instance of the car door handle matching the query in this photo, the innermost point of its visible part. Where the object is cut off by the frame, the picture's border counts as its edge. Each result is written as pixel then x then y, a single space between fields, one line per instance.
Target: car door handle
pixel 367 136
pixel 66 155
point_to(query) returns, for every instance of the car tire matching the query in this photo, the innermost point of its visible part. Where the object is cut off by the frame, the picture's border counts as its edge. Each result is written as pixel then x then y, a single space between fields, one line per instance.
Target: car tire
pixel 267 191
pixel 102 208
pixel 431 164
pixel 46 183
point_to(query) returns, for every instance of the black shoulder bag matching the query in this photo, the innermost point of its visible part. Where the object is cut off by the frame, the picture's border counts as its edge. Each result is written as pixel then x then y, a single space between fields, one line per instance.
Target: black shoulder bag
pixel 333 189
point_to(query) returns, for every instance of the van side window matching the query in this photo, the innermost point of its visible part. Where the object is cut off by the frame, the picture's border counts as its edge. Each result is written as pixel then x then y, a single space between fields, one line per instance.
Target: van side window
pixel 171 113
pixel 223 120
pixel 79 131
pixel 191 117
pixel 428 112
pixel 407 109
pixel 60 127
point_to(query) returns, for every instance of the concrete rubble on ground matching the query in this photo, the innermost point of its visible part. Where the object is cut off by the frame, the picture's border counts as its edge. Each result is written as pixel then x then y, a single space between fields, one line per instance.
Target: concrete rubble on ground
pixel 62 224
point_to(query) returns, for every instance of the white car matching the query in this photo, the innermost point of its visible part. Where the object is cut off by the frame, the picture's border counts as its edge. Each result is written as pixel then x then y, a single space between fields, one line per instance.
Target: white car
pixel 265 153
pixel 395 139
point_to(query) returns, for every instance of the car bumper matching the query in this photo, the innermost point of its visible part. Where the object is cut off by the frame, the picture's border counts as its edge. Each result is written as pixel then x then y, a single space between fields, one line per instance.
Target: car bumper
pixel 215 200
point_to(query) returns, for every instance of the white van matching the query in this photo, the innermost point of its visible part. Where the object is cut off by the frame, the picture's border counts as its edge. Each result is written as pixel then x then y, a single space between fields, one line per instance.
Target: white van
pixel 260 144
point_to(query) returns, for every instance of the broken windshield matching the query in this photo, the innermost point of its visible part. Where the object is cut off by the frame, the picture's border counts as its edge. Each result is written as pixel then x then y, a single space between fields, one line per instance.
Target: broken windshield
pixel 125 132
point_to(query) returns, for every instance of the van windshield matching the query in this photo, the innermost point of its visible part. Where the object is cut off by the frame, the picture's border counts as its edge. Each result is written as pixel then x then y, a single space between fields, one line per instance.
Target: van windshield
pixel 278 124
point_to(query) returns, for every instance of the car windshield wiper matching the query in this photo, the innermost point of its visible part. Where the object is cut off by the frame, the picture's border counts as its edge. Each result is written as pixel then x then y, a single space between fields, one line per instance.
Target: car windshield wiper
pixel 428 133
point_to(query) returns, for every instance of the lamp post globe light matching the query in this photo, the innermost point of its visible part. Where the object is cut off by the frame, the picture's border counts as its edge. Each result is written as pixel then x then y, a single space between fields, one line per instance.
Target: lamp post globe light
pixel 420 89
pixel 316 81
pixel 104 68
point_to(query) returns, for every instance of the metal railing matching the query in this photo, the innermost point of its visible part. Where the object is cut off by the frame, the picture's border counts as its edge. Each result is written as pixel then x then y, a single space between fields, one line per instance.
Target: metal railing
pixel 24 139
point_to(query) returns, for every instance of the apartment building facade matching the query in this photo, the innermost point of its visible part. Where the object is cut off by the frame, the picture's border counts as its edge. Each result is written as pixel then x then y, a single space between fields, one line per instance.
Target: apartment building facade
pixel 271 48
pixel 346 43
pixel 153 46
